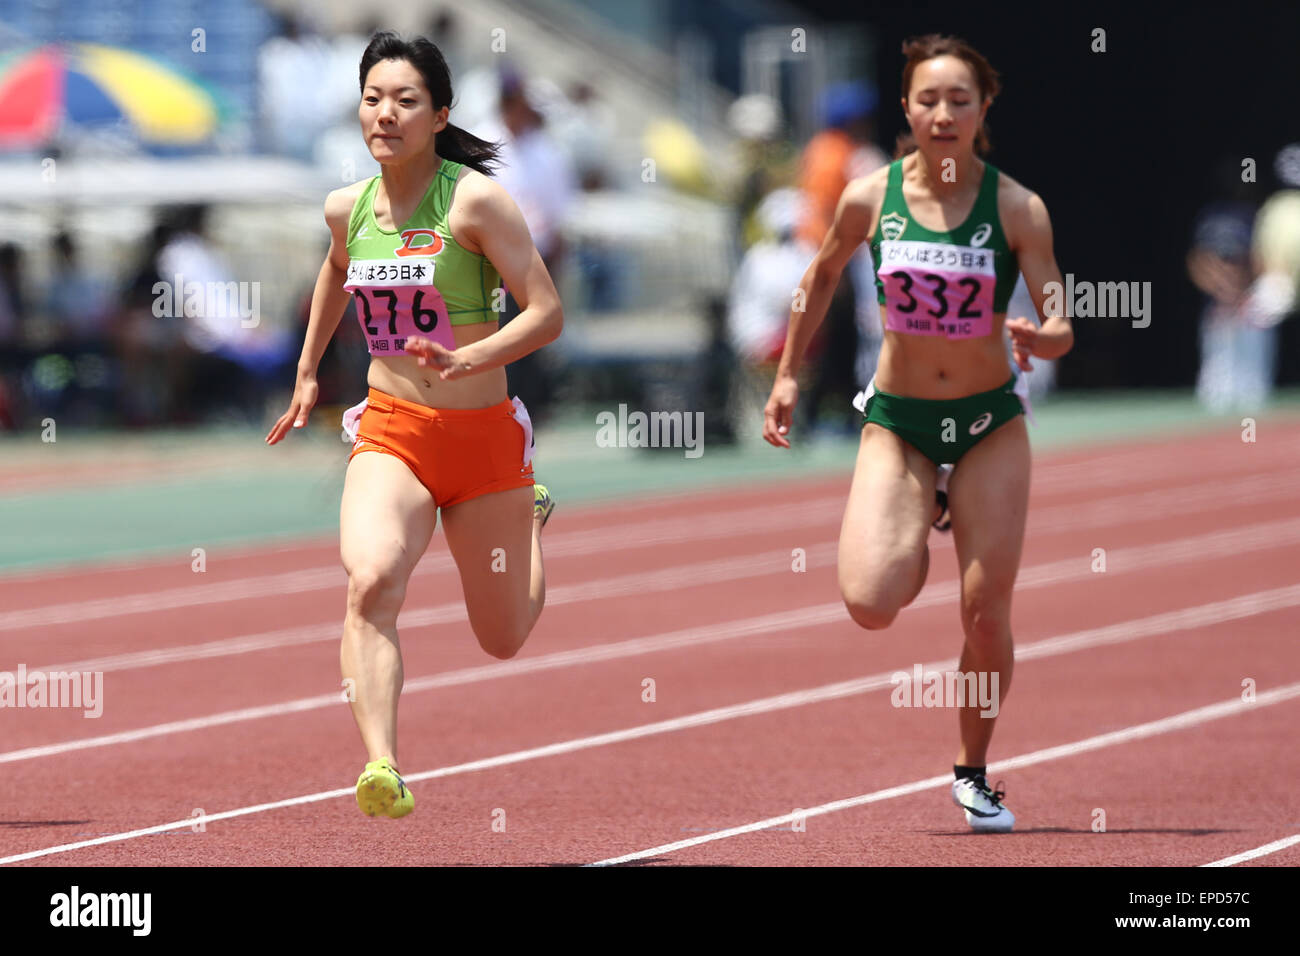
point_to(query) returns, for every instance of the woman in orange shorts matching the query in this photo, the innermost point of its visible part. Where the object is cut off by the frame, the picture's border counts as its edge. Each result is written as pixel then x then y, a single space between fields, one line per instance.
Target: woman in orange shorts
pixel 423 248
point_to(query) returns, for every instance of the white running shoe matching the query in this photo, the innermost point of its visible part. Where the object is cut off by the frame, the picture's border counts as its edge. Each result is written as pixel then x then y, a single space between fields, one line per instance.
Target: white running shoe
pixel 984 809
pixel 944 521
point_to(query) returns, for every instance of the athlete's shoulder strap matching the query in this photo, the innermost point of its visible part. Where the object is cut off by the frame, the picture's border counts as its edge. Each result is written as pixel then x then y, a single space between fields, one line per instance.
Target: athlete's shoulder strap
pixel 895 176
pixel 989 187
pixel 444 183
pixel 892 200
pixel 361 207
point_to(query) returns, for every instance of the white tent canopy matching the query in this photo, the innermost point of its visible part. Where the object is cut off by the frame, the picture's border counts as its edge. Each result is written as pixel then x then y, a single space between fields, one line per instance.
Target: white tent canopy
pixel 34 181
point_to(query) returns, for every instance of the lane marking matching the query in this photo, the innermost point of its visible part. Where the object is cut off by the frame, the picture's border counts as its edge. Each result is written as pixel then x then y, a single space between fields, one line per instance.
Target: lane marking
pixel 629 537
pixel 1118 509
pixel 1115 633
pixel 1256 853
pixel 1180 550
pixel 1191 718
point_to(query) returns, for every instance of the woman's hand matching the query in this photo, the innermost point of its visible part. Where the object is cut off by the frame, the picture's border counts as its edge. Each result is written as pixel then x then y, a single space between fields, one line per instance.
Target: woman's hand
pixel 450 365
pixel 779 413
pixel 1024 333
pixel 305 392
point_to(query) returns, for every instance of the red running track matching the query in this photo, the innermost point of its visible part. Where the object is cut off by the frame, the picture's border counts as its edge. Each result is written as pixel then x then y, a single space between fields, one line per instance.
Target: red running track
pixel 767 699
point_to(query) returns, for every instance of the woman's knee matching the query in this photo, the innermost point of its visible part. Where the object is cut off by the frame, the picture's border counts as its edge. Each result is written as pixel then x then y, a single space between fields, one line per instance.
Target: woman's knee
pixel 986 619
pixel 502 639
pixel 874 604
pixel 501 643
pixel 872 609
pixel 376 591
pixel 871 615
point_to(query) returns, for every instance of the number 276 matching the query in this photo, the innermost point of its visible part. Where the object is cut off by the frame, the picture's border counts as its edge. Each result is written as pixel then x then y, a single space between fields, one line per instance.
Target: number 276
pixel 426 320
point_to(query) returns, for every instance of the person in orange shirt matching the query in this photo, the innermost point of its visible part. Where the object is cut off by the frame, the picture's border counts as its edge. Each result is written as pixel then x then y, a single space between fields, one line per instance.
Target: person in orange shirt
pixel 842 151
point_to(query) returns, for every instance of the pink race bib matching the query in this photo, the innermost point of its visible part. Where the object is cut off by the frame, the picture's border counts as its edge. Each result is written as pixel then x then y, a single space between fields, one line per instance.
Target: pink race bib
pixel 937 288
pixel 397 299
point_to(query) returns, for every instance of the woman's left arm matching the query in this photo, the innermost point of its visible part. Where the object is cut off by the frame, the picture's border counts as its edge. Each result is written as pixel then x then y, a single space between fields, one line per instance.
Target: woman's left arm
pixel 494 223
pixel 1031 237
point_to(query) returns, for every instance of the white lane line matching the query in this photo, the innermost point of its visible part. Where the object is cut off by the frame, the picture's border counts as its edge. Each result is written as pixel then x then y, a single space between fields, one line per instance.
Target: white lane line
pixel 1180 550
pixel 1149 464
pixel 1197 548
pixel 724 525
pixel 667 579
pixel 1256 853
pixel 1210 614
pixel 625 537
pixel 1191 718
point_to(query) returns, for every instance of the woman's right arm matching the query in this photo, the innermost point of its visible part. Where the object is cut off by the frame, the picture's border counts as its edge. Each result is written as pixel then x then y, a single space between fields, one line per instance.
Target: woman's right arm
pixel 849 230
pixel 329 300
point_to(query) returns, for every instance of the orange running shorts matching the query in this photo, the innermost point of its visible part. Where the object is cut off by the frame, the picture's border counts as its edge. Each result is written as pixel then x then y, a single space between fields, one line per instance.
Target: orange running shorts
pixel 456 453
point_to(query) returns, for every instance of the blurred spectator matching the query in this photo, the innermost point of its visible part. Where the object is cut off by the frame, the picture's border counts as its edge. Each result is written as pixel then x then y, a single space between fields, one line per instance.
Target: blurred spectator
pixel 1275 246
pixel 762 295
pixel 233 359
pixel 76 302
pixel 585 128
pixel 299 83
pixel 445 33
pixel 534 168
pixel 844 150
pixel 766 162
pixel 150 348
pixel 1236 354
pixel 537 174
pixel 11 333
pixel 12 307
pixel 850 335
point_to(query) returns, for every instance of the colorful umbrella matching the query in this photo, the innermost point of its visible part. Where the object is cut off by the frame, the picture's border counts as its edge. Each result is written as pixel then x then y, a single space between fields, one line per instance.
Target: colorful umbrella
pixel 91 85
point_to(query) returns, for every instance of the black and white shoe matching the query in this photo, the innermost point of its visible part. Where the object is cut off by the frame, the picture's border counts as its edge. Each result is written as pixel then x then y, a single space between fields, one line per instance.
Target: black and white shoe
pixel 984 809
pixel 944 521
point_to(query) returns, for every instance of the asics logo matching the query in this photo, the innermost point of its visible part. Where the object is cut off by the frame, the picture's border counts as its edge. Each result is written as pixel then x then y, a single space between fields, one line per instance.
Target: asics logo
pixel 981 423
pixel 981 235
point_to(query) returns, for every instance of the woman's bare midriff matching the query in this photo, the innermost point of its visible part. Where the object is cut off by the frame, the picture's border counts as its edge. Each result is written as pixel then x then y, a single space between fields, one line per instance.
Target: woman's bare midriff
pixel 936 367
pixel 404 377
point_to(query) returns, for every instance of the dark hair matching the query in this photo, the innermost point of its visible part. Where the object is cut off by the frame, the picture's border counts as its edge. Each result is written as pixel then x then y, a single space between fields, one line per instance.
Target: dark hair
pixel 904 143
pixel 919 49
pixel 452 142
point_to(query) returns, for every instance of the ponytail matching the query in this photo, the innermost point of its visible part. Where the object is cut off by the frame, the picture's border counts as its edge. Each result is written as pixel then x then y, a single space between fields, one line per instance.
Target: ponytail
pixel 459 146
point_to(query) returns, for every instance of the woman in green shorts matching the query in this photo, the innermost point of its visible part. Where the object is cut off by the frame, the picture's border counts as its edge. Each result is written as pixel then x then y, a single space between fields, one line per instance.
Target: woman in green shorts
pixel 948 234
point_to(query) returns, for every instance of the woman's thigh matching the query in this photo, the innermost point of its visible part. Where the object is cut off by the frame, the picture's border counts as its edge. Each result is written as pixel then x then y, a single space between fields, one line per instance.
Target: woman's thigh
pixel 882 548
pixel 386 519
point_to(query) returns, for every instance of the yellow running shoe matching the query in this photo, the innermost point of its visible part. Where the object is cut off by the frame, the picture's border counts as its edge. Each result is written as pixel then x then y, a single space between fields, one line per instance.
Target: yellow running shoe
pixel 381 790
pixel 543 503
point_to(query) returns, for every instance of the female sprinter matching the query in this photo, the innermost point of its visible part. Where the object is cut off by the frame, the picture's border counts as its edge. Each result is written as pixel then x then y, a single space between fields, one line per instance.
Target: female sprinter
pixel 423 247
pixel 948 233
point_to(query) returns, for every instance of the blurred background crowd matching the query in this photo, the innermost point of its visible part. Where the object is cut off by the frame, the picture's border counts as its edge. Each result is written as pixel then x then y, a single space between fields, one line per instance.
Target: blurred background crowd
pixel 678 166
